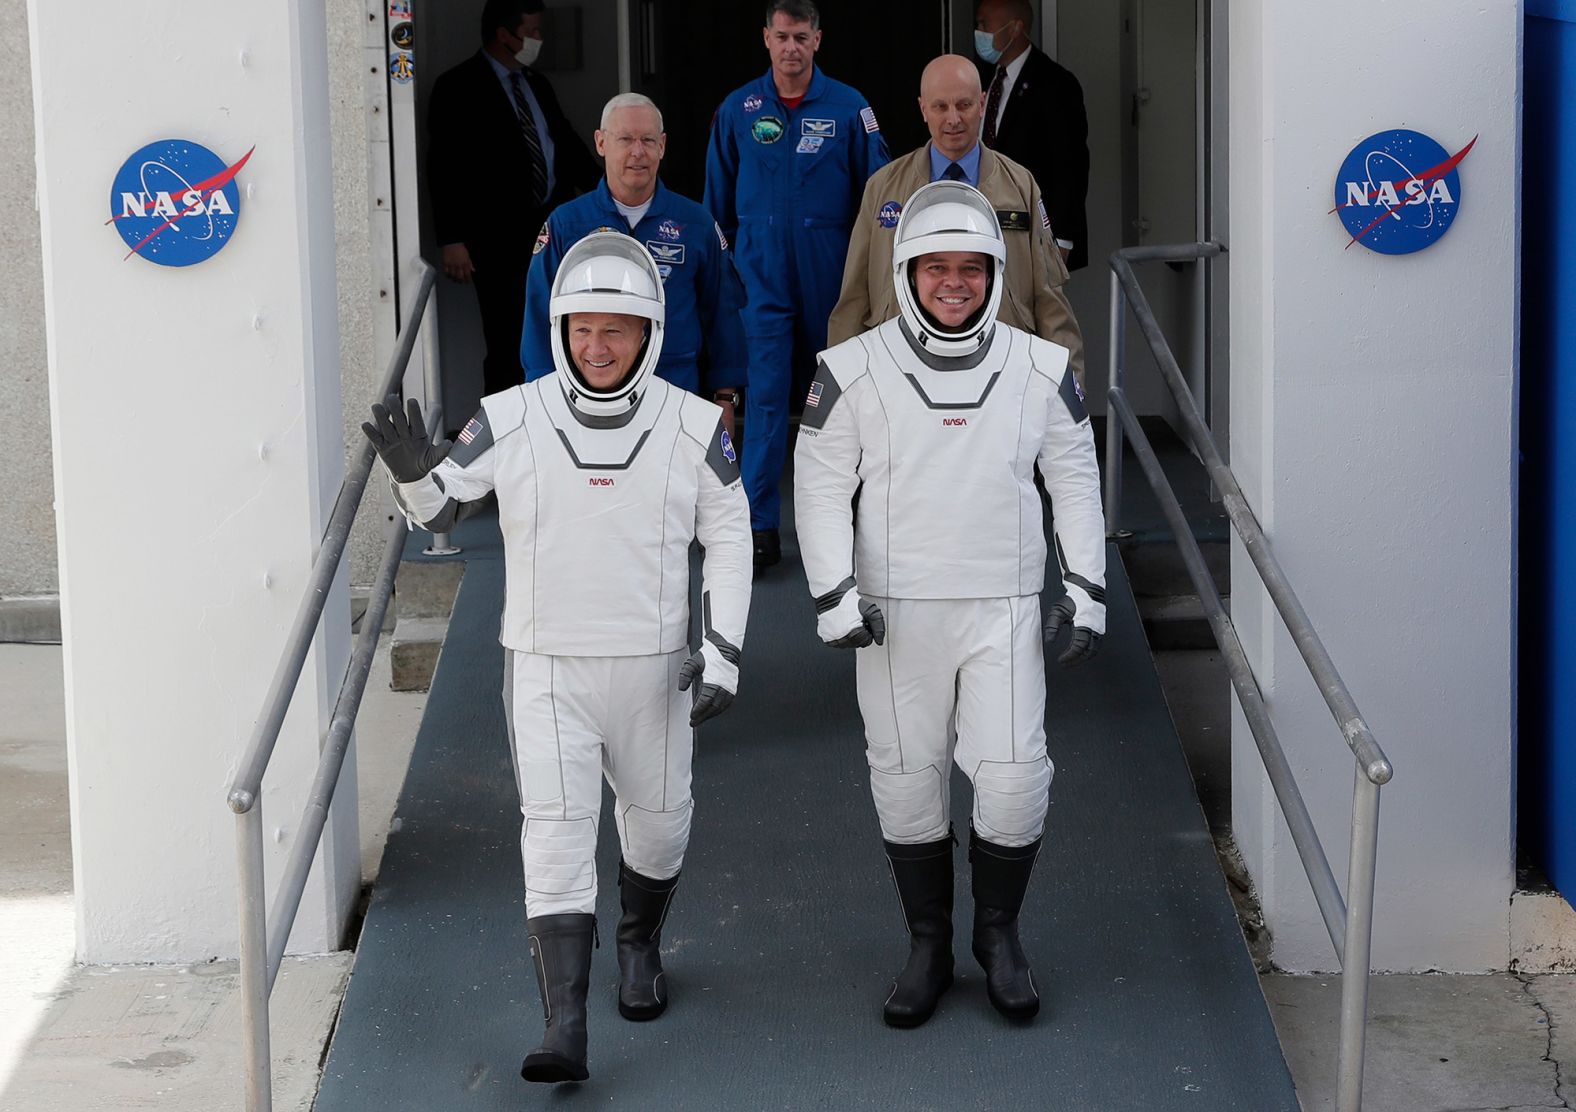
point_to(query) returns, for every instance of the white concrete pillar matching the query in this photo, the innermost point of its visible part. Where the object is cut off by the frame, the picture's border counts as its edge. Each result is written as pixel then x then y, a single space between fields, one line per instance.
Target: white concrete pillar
pixel 1373 428
pixel 197 453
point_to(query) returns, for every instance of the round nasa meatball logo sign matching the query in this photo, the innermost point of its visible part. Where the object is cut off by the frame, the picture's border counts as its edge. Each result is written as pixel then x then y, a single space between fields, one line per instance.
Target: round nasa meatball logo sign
pixel 1399 191
pixel 175 202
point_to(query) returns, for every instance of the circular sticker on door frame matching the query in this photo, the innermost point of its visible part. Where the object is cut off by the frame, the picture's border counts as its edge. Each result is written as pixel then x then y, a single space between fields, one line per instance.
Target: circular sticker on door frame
pixel 1399 191
pixel 175 202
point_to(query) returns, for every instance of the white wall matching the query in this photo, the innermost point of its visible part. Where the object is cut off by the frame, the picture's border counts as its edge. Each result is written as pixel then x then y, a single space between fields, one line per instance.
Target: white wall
pixel 356 108
pixel 27 516
pixel 197 451
pixel 1373 425
pixel 27 556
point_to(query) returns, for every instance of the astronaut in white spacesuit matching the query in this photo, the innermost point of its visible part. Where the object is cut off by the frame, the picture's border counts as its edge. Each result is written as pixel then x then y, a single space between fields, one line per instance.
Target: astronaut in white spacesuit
pixel 604 474
pixel 937 419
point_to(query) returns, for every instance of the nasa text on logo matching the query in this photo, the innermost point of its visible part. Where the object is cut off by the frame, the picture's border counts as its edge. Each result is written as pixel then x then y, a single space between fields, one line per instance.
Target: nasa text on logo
pixel 1399 191
pixel 727 446
pixel 889 213
pixel 670 229
pixel 752 103
pixel 175 202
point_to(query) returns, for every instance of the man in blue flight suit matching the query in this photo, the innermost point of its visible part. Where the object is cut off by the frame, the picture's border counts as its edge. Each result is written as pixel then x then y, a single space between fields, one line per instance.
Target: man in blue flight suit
pixel 700 285
pixel 785 171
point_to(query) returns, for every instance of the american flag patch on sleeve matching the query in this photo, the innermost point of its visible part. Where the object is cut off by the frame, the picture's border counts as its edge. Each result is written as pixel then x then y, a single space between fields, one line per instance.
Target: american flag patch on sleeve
pixel 471 431
pixel 815 394
pixel 867 115
pixel 1045 220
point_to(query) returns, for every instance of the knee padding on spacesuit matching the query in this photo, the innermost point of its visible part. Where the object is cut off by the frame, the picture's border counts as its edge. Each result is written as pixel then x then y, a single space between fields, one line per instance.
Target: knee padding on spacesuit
pixel 912 806
pixel 654 841
pixel 1010 800
pixel 560 865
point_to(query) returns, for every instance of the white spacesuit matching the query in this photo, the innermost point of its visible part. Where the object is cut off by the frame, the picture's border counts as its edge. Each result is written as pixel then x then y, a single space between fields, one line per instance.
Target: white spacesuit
pixel 936 579
pixel 600 493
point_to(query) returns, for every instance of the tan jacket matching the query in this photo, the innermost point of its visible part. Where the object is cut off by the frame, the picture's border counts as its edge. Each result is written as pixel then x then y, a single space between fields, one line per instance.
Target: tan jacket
pixel 1032 300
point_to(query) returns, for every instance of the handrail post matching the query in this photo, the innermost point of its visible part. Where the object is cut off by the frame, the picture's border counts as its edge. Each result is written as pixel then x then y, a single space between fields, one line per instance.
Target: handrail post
pixel 1353 938
pixel 441 545
pixel 1113 428
pixel 1356 960
pixel 254 959
pixel 244 795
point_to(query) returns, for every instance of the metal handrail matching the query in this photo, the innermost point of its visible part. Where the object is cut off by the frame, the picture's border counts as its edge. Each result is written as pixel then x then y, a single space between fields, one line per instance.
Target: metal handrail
pixel 264 934
pixel 1349 922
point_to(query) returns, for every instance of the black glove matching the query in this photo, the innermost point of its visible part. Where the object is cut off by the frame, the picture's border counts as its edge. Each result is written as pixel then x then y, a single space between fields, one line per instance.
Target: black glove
pixel 401 440
pixel 1085 642
pixel 711 699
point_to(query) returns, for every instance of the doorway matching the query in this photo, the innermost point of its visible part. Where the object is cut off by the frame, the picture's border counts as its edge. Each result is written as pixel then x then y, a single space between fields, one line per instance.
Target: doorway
pixel 688 56
pixel 1152 72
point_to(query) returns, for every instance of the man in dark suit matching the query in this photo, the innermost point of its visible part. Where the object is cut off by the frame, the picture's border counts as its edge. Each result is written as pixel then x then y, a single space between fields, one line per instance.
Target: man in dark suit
pixel 1034 114
pixel 500 157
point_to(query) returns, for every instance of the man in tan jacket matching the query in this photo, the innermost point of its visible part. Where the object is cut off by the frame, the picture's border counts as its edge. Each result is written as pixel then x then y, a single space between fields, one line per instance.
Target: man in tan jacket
pixel 952 103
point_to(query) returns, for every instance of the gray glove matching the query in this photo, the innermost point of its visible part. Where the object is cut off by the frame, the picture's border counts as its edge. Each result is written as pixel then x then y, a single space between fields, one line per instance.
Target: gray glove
pixel 711 699
pixel 850 622
pixel 1084 643
pixel 401 440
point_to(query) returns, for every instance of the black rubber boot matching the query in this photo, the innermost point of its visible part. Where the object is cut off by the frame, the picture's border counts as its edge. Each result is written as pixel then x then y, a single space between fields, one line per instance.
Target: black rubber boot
pixel 641 992
pixel 923 874
pixel 561 949
pixel 768 548
pixel 1001 877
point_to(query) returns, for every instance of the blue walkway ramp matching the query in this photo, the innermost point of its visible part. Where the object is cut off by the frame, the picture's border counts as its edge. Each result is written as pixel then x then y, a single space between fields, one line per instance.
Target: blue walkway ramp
pixel 785 932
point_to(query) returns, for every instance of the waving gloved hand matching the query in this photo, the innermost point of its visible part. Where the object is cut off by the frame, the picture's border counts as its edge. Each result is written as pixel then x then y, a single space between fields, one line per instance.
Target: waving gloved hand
pixel 718 679
pixel 401 440
pixel 1085 642
pixel 847 621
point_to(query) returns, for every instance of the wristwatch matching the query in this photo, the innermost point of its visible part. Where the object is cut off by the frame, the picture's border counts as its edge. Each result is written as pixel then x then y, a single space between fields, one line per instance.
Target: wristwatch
pixel 730 396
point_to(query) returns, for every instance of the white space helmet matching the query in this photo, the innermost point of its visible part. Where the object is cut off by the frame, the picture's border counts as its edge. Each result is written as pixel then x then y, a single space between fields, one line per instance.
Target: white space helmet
pixel 606 272
pixel 947 216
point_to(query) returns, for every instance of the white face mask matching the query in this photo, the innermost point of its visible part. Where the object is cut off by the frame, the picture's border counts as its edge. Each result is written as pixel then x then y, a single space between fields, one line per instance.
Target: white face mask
pixel 530 50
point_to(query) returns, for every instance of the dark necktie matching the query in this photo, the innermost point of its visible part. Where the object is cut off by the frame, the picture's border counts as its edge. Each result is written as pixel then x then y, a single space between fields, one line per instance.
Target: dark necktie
pixel 533 142
pixel 954 172
pixel 992 103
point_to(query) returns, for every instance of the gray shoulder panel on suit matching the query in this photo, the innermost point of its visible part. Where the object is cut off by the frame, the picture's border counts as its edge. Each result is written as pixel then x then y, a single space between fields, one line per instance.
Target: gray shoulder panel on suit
pixel 824 392
pixel 723 457
pixel 474 439
pixel 1072 396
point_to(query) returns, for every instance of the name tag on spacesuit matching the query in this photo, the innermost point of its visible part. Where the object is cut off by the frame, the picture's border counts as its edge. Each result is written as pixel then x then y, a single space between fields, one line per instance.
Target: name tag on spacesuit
pixel 1013 220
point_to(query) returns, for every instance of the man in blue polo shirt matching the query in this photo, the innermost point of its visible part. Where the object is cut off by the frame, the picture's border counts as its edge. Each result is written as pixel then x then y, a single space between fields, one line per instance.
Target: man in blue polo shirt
pixel 785 171
pixel 700 285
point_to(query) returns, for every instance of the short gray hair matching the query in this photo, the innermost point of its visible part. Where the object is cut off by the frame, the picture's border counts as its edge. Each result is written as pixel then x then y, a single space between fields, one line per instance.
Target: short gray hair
pixel 629 100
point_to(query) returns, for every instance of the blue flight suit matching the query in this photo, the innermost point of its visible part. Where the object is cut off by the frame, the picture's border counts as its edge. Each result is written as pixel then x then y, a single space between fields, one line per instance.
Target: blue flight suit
pixel 785 185
pixel 701 288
